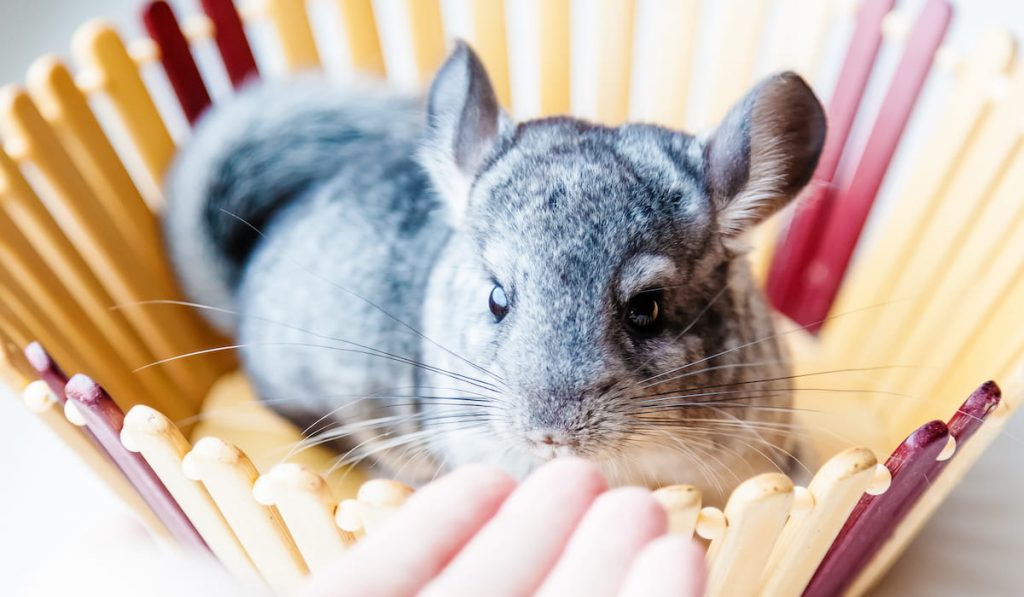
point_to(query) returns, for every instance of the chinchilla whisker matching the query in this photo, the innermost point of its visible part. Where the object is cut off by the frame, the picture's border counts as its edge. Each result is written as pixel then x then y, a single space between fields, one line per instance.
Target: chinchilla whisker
pixel 335 434
pixel 770 337
pixel 368 302
pixel 341 431
pixel 713 368
pixel 456 376
pixel 418 401
pixel 797 376
pixel 377 351
pixel 757 435
pixel 802 375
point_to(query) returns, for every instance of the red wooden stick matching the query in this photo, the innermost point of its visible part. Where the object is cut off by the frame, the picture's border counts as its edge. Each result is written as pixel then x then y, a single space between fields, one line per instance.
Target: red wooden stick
pixel 176 57
pixel 823 274
pixel 875 517
pixel 47 369
pixel 914 469
pixel 105 420
pixel 229 35
pixel 801 237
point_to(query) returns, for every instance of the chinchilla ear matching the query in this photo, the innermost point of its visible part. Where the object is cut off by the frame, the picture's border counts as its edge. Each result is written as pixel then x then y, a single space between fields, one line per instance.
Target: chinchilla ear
pixel 764 152
pixel 463 122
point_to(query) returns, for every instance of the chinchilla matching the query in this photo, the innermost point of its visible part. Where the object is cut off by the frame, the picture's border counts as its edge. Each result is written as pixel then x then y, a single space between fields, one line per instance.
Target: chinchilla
pixel 424 284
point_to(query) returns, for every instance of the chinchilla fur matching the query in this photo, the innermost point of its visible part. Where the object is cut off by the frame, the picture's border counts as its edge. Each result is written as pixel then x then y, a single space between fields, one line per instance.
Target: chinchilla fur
pixel 424 284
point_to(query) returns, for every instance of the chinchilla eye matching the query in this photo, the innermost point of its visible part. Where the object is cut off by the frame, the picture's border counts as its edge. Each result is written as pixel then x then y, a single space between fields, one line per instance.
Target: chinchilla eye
pixel 644 310
pixel 498 303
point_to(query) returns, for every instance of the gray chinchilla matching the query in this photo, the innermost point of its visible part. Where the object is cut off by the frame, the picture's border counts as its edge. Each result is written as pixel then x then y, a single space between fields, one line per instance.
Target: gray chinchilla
pixel 424 287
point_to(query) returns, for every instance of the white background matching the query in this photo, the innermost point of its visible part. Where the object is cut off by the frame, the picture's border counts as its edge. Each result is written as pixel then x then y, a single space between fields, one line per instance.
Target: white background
pixel 974 544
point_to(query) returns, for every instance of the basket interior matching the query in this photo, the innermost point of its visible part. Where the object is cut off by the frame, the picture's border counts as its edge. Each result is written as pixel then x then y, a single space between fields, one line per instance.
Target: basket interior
pixel 928 310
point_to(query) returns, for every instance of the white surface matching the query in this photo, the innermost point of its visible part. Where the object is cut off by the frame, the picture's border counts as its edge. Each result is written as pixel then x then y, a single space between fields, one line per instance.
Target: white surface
pixel 972 546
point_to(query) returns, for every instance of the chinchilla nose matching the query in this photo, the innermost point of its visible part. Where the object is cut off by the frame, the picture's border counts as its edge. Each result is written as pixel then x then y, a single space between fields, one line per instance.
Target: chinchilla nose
pixel 548 437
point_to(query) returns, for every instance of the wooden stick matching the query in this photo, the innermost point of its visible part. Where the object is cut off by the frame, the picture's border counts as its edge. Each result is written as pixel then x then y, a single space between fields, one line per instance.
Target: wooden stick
pixel 360 27
pixel 176 58
pixel 736 45
pixel 229 35
pixel 979 421
pixel 755 515
pixel 682 502
pixel 307 505
pixel 871 281
pixel 163 446
pixel 229 476
pixel 427 33
pixel 68 322
pixel 802 235
pixel 378 500
pixel 489 40
pixel 844 224
pixel 834 491
pixel 99 51
pixel 663 63
pixel 875 517
pixel 97 239
pixel 291 21
pixel 105 420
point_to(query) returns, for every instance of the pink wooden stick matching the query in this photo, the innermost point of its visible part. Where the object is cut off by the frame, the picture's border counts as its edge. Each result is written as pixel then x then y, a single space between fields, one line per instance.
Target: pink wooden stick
pixel 802 236
pixel 47 369
pixel 822 275
pixel 105 420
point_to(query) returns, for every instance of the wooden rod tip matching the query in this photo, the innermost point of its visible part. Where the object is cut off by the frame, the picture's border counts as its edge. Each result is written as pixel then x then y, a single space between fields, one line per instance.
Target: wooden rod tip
pixel 678 497
pixel 73 414
pixel 348 516
pixel 948 450
pixel 38 397
pixel 803 500
pixel 711 523
pixel 384 493
pixel 284 479
pixel 881 480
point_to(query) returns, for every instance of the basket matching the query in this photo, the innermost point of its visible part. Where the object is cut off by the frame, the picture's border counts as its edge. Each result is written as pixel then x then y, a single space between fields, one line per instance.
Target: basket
pixel 935 290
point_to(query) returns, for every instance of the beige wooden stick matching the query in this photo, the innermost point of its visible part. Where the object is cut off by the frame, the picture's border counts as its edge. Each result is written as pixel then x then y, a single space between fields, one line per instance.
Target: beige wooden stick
pixel 99 52
pixel 97 240
pixel 682 502
pixel 489 40
pixel 663 68
pixel 553 39
pixel 360 26
pixel 378 500
pixel 69 321
pixel 38 399
pixel 67 110
pixel 427 36
pixel 307 506
pixel 153 435
pixel 871 279
pixel 737 46
pixel 755 515
pixel 805 540
pixel 291 20
pixel 229 476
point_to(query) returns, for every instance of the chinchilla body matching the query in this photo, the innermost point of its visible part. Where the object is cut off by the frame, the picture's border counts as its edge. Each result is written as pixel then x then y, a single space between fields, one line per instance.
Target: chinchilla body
pixel 428 284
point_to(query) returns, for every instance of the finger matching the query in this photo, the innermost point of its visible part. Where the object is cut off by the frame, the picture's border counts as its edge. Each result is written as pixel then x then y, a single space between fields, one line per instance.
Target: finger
pixel 516 549
pixel 421 539
pixel 620 523
pixel 669 566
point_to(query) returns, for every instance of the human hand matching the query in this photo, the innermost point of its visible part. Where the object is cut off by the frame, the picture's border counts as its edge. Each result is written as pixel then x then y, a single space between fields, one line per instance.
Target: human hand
pixel 560 533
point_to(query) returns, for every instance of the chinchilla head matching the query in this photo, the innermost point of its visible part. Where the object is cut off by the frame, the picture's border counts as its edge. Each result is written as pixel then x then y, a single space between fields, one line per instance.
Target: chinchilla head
pixel 594 297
